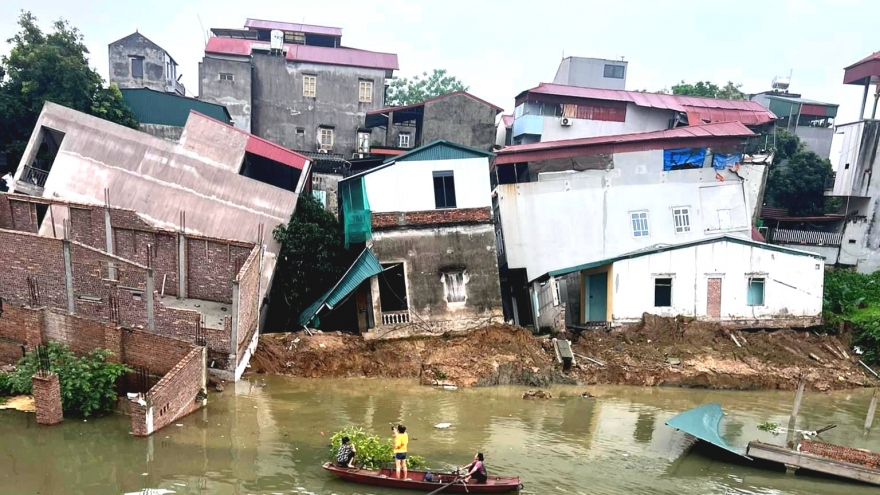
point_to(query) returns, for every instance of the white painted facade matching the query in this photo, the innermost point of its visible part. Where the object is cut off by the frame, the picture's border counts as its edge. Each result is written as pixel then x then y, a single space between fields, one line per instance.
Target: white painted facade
pixel 570 218
pixel 409 185
pixel 638 119
pixel 792 283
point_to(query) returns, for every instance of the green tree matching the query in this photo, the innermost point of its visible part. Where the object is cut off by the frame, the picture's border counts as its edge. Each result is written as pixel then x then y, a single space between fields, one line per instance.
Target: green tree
pixel 311 259
pixel 52 67
pixel 707 89
pixel 408 91
pixel 799 184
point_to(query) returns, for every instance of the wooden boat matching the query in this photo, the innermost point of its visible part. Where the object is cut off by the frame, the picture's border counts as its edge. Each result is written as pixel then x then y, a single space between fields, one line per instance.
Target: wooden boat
pixel 416 481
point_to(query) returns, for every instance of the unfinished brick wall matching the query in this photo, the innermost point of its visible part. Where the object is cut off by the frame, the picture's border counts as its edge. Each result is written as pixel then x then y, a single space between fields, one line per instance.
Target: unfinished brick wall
pixel 47 398
pixel 211 268
pixel 24 216
pixel 155 249
pixel 82 335
pixel 155 353
pixel 19 327
pixel 175 396
pixel 431 217
pixel 248 300
pixel 87 226
pixel 93 288
pixel 839 453
pixel 41 259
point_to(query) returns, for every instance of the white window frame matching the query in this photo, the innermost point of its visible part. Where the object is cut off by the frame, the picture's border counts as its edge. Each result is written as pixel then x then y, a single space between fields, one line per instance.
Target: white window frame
pixel 365 91
pixel 681 219
pixel 310 86
pixel 323 142
pixel 642 217
pixel 400 140
pixel 225 76
pixel 446 278
pixel 363 142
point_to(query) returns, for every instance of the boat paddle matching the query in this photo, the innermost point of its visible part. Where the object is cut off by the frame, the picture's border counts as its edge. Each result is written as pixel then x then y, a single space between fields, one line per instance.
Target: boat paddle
pixel 456 480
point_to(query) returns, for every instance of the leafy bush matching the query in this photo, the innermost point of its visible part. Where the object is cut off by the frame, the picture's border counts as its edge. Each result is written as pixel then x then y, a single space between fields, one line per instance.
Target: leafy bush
pixel 372 451
pixel 6 385
pixel 855 297
pixel 88 383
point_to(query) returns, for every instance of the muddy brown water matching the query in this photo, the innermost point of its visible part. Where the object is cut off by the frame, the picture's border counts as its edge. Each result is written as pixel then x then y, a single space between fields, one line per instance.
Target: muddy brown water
pixel 270 436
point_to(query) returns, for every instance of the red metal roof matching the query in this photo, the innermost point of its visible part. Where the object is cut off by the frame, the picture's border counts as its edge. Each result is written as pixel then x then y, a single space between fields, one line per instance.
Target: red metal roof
pixel 304 53
pixel 756 235
pixel 264 148
pixel 867 67
pixel 421 103
pixel 507 120
pixel 295 27
pixel 678 137
pixel 705 109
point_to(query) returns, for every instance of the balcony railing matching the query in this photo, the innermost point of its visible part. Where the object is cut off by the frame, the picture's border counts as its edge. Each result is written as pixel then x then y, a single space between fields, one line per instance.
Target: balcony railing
pixel 34 176
pixel 804 237
pixel 395 317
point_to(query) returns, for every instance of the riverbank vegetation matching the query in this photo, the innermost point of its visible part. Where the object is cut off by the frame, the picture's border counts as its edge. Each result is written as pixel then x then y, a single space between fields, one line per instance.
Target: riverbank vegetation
pixel 372 451
pixel 854 298
pixel 88 383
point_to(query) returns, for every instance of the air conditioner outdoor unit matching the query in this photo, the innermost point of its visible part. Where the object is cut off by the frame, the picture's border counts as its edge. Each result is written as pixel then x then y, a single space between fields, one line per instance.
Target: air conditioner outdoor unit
pixel 322 150
pixel 357 156
pixel 565 121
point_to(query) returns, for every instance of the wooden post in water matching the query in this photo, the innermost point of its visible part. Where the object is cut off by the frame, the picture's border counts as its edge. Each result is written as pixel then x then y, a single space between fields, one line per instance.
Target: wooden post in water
pixel 871 410
pixel 799 395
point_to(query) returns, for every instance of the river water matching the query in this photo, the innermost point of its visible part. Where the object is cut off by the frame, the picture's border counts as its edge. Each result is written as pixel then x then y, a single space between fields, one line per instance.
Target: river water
pixel 271 435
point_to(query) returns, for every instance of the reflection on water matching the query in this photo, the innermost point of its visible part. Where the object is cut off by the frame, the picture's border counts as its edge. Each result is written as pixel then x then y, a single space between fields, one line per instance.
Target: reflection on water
pixel 271 436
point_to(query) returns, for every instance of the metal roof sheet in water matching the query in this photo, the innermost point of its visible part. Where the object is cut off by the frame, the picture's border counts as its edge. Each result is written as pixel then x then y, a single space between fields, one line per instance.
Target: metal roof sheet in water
pixel 702 422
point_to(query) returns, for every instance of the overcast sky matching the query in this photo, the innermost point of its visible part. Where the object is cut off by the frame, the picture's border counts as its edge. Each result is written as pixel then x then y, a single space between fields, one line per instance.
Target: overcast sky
pixel 500 48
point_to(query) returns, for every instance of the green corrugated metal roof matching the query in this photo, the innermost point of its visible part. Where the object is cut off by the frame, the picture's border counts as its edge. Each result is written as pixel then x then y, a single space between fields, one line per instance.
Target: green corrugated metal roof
pixel 156 107
pixel 440 150
pixel 672 247
pixel 364 267
pixel 784 104
pixel 702 422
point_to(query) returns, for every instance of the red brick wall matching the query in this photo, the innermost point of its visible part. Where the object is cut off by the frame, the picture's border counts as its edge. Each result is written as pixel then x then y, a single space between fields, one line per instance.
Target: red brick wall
pixel 431 217
pixel 248 299
pixel 24 217
pixel 23 255
pixel 82 335
pixel 133 245
pixel 178 323
pixel 175 395
pixel 211 268
pixel 87 226
pixel 90 272
pixel 156 353
pixel 846 454
pixel 47 399
pixel 5 213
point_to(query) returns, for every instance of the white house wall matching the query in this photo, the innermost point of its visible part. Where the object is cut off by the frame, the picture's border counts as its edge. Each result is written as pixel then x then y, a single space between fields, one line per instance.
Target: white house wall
pixel 638 119
pixel 793 287
pixel 849 136
pixel 565 220
pixel 409 185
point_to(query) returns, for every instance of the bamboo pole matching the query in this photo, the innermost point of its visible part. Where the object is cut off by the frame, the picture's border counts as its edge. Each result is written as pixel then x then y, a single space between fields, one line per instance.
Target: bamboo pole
pixel 792 422
pixel 869 420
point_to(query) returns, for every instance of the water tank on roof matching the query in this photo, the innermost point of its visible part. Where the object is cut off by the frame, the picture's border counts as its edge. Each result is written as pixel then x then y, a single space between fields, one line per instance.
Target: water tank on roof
pixel 781 83
pixel 276 40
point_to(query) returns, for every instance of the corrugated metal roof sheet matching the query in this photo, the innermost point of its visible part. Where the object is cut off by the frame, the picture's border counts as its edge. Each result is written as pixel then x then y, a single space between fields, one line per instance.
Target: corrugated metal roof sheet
pixel 578 147
pixel 749 112
pixel 304 53
pixel 867 68
pixel 365 266
pixel 156 107
pixel 702 422
pixel 295 27
pixel 441 150
pixel 661 248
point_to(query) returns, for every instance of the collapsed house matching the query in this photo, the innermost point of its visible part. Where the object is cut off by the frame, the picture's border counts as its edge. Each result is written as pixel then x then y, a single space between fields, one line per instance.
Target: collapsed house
pixel 171 238
pixel 423 224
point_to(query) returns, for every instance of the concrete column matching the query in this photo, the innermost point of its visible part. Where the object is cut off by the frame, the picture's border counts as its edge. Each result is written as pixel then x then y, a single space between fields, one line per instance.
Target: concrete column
pixel 68 276
pixel 47 398
pixel 388 128
pixel 181 265
pixel 108 233
pixel 151 317
pixel 233 328
pixel 865 99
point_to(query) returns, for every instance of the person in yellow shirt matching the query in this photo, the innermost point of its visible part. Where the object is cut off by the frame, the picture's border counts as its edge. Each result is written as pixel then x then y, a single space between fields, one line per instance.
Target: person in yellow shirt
pixel 401 440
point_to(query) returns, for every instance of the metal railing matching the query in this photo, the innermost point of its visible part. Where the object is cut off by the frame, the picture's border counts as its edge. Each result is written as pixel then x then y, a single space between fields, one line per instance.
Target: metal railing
pixel 395 317
pixel 805 237
pixel 34 176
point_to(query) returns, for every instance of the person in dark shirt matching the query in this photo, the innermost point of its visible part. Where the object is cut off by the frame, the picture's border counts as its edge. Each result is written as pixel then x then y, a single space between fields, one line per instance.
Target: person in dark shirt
pixel 346 453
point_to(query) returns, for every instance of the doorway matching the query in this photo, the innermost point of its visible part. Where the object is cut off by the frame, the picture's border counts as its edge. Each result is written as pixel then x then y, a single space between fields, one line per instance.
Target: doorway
pixel 596 290
pixel 713 298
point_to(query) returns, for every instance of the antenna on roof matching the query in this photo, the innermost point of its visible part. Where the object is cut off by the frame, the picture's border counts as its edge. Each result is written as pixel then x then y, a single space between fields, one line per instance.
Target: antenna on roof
pixel 204 33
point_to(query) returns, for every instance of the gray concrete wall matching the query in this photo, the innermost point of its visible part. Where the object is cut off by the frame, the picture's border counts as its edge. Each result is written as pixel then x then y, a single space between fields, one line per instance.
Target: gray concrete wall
pixel 589 73
pixel 120 54
pixel 426 252
pixel 461 120
pixel 329 183
pixel 235 95
pixel 816 139
pixel 280 107
pixel 168 132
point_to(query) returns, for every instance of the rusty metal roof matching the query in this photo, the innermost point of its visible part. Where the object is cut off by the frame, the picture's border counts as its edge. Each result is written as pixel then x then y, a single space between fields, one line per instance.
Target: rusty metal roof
pixel 618 143
pixel 305 53
pixel 866 69
pixel 295 27
pixel 704 109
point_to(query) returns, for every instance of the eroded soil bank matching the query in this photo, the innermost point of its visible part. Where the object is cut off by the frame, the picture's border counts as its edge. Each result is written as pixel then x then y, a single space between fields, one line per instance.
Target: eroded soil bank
pixel 660 352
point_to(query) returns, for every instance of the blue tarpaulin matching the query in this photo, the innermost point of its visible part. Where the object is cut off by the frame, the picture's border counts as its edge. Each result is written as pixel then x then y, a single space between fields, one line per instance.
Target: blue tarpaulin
pixel 720 161
pixel 702 422
pixel 683 158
